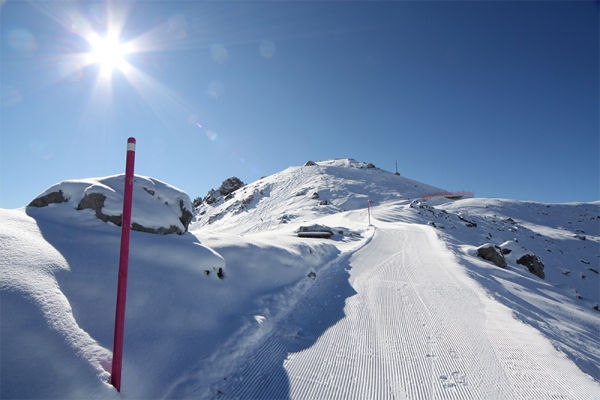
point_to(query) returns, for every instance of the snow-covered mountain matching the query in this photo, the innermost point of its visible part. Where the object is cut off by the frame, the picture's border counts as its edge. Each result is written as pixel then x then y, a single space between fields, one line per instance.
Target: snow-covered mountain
pixel 300 194
pixel 240 306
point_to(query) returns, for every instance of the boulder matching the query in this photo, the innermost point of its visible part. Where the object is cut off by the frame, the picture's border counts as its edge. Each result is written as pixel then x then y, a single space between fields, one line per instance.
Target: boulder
pixel 493 254
pixel 533 264
pixel 157 207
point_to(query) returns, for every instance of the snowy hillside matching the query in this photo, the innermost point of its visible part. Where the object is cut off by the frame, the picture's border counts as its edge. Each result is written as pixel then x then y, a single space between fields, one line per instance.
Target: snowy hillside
pixel 300 194
pixel 241 307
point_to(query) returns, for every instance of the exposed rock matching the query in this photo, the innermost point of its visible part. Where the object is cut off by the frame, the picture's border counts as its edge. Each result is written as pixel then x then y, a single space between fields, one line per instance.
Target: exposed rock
pixel 95 201
pixel 492 253
pixel 370 165
pixel 105 197
pixel 248 200
pixel 158 231
pixel 469 223
pixel 323 203
pixel 186 215
pixel 533 264
pixel 315 195
pixel 309 163
pixel 211 197
pixel 197 202
pixel 50 198
pixel 230 185
pixel 220 273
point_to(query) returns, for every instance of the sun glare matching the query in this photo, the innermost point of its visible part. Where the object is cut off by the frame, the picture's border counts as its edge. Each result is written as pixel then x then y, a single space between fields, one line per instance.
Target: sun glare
pixel 108 52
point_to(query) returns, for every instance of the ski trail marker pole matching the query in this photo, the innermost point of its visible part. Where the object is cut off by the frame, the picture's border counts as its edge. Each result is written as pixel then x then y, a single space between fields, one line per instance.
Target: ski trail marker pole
pixel 115 376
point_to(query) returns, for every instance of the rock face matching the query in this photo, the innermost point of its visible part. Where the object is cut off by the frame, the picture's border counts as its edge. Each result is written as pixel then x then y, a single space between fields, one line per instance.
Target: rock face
pixel 493 254
pixel 95 201
pixel 50 198
pixel 157 207
pixel 228 186
pixel 533 264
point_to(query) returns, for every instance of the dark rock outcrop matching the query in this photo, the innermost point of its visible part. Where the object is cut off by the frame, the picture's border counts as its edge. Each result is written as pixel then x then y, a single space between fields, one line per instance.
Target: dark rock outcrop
pixel 50 198
pixel 493 254
pixel 197 202
pixel 533 264
pixel 230 185
pixel 211 197
pixel 95 201
pixel 186 215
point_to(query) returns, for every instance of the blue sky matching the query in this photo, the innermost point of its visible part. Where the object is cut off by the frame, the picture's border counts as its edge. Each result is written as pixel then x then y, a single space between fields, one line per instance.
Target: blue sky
pixel 499 98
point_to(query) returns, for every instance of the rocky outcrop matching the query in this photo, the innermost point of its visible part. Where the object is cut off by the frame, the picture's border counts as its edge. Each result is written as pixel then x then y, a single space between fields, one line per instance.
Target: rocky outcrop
pixel 533 264
pixel 95 201
pixel 493 254
pixel 228 186
pixel 50 198
pixel 186 215
pixel 157 207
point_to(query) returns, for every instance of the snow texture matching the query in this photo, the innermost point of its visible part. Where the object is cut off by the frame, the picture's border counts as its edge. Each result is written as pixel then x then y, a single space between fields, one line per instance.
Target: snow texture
pixel 241 307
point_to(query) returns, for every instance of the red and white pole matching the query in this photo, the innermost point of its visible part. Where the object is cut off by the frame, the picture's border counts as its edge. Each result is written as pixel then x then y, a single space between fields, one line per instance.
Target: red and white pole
pixel 117 362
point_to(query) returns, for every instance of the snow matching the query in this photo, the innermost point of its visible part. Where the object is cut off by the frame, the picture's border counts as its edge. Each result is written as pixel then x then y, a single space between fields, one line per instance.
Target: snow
pixel 399 308
pixel 155 204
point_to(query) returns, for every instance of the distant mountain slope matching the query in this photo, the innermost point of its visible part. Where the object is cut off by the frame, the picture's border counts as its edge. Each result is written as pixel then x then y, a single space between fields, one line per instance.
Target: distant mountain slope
pixel 302 193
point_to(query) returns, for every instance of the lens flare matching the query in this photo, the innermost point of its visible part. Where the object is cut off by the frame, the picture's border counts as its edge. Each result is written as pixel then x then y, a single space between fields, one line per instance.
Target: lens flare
pixel 22 40
pixel 218 53
pixel 267 49
pixel 211 135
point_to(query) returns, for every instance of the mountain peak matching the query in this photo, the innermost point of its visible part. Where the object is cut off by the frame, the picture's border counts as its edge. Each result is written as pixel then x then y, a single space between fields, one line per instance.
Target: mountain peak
pixel 302 192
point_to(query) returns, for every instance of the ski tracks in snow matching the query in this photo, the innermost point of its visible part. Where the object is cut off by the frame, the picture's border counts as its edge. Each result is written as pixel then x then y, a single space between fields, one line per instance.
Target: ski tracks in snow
pixel 404 321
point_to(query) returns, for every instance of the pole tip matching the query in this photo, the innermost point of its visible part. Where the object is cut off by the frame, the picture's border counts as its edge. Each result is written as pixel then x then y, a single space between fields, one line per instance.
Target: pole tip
pixel 131 140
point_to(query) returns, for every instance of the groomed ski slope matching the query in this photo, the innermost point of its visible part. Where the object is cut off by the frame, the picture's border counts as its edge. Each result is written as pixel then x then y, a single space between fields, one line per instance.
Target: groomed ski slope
pixel 401 319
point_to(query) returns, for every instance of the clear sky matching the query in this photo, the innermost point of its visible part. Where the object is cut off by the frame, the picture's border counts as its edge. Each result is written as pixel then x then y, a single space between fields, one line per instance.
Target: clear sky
pixel 499 98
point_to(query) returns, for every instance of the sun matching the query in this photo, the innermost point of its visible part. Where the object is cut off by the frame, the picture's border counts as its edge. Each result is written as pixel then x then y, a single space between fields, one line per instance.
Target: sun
pixel 108 52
